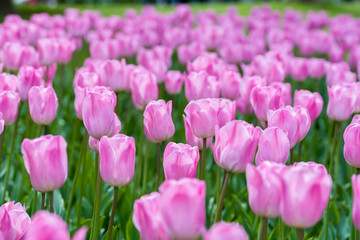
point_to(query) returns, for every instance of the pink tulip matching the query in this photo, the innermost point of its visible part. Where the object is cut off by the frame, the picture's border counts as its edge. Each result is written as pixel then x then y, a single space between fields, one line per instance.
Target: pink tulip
pixel 80 94
pixel 2 123
pixel 117 159
pixel 342 100
pixel 306 194
pixel 182 207
pixel 147 219
pixel 298 69
pixel 98 114
pixel 9 101
pixel 28 77
pixel 263 99
pixel 158 124
pixel 316 67
pixel 294 121
pixel 265 188
pixel 173 82
pixel 230 85
pixel 274 146
pixel 336 54
pixel 14 221
pixel 48 51
pixel 66 48
pixel 235 145
pixel 16 54
pixel 191 139
pixel 113 74
pixel 355 180
pixel 313 102
pixel 226 111
pixel 50 226
pixel 285 91
pixel 200 85
pixel 85 78
pixel 228 231
pixel 144 89
pixel 202 117
pixel 180 161
pixel 351 145
pixel 43 104
pixel 8 82
pixel 46 162
pixel 336 73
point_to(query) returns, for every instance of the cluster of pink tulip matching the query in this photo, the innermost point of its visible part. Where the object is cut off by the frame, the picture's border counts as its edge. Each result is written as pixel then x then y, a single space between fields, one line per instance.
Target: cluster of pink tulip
pixel 212 46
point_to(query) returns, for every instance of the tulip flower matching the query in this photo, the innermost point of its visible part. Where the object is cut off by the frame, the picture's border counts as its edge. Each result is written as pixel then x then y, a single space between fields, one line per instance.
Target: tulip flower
pixel 14 221
pixel 313 102
pixel 144 89
pixel 43 104
pixel 147 218
pixel 274 146
pixel 226 111
pixel 263 99
pixel 48 51
pixel 28 77
pixel 85 78
pixel 8 82
pixel 235 146
pixel 342 100
pixel 285 90
pixel 113 74
pixel 316 67
pixel 51 227
pixel 229 231
pixel 355 180
pixel 304 208
pixel 180 161
pixel 230 85
pixel 200 85
pixel 9 101
pixel 351 145
pixel 185 198
pixel 191 139
pixel 173 82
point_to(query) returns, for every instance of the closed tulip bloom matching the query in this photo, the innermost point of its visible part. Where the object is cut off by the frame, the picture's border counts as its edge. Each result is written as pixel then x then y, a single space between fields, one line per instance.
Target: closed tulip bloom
pixel 352 145
pixel 313 102
pixel 117 159
pixel 46 162
pixel 49 226
pixel 173 82
pixel 274 146
pixel 84 78
pixel 191 139
pixel 317 67
pixel 355 180
pixel 306 194
pixel 158 124
pixel 182 207
pixel 305 121
pixel 265 188
pixel 80 94
pixel 98 115
pixel 28 77
pixel 14 221
pixel 180 161
pixel 9 102
pixel 48 49
pixel 112 73
pixel 43 104
pixel 235 145
pixel 228 231
pixel 342 100
pixel 230 85
pixel 226 111
pixel 8 82
pixel 285 90
pixel 201 85
pixel 144 89
pixel 66 48
pixel 147 219
pixel 202 117
pixel 263 99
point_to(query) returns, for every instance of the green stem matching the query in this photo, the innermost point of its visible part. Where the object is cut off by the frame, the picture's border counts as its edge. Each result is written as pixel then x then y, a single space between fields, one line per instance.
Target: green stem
pixel 42 131
pixel 299 152
pixel 222 196
pixel 113 210
pixel 11 152
pixel 76 177
pixel 158 168
pixel 292 156
pixel 139 163
pixel 203 161
pixel 145 168
pixel 51 200
pixel 96 214
pixel 333 148
pixel 42 201
pixel 2 144
pixel 34 203
pixel 218 185
pixel 128 105
pixel 263 228
pixel 300 233
pixel 281 228
pixel 78 203
pixel 357 234
pixel 62 83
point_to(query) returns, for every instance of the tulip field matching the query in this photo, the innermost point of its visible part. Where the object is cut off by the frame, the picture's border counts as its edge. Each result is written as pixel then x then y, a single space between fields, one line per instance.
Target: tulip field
pixel 180 124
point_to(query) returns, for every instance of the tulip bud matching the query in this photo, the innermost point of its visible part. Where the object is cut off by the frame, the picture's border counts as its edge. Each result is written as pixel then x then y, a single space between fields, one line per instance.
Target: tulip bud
pixel 28 77
pixel 173 82
pixel 185 198
pixel 342 100
pixel 14 221
pixel 9 102
pixel 355 180
pixel 228 231
pixel 200 85
pixel 304 207
pixel 48 49
pixel 230 85
pixel 84 78
pixel 144 89
pixel 226 112
pixel 158 124
pixel 351 144
pixel 46 162
pixel 235 145
pixel 285 91
pixel 117 159
pixel 313 102
pixel 265 188
pixel 274 146
pixel 112 73
pixel 180 161
pixel 8 82
pixel 147 219
pixel 191 139
pixel 43 104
